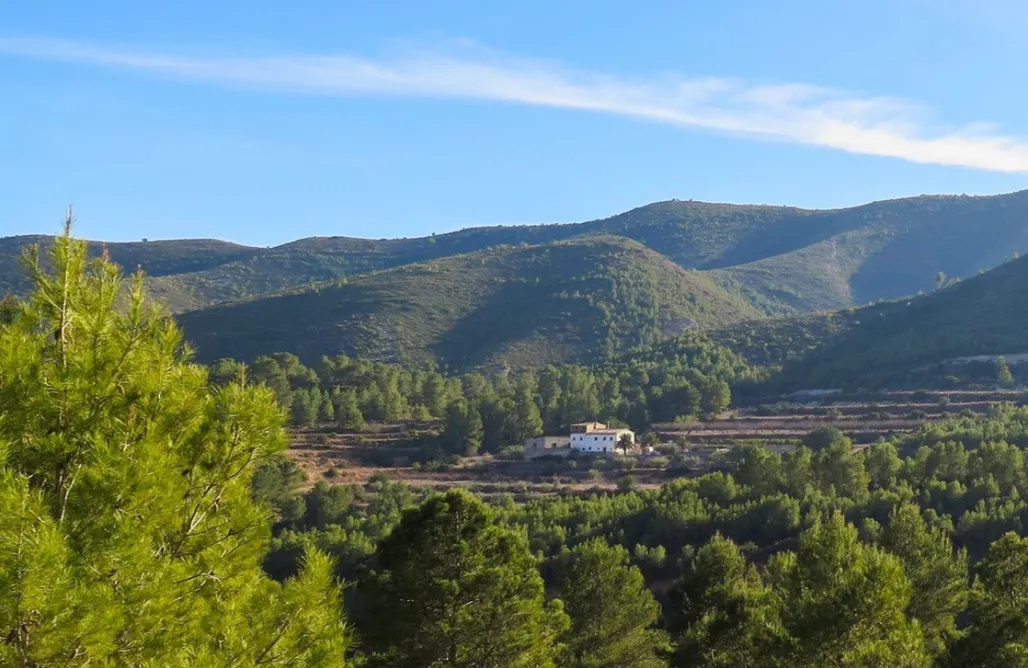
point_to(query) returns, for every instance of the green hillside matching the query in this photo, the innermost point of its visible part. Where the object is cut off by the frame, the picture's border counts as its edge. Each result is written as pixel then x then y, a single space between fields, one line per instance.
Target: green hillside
pixel 157 258
pixel 889 343
pixel 783 260
pixel 774 342
pixel 690 233
pixel 517 306
pixel 884 250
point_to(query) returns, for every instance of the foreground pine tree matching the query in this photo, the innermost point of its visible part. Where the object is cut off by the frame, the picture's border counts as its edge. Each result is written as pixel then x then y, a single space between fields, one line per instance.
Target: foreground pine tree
pixel 127 532
pixel 455 588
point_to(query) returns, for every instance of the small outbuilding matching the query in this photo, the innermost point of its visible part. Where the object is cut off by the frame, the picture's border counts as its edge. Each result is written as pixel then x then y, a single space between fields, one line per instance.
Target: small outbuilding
pixel 541 446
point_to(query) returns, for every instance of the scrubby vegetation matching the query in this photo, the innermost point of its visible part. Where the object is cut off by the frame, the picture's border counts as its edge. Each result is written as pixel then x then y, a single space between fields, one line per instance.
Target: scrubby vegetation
pixel 578 301
pixel 158 258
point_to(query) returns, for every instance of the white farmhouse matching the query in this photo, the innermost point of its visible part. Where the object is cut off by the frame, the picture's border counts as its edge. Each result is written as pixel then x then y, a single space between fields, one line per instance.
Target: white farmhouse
pixel 597 437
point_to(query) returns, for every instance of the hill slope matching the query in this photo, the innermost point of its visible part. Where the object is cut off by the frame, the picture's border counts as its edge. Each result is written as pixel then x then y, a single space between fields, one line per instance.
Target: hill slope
pixel 690 233
pixel 509 306
pixel 883 344
pixel 784 260
pixel 157 258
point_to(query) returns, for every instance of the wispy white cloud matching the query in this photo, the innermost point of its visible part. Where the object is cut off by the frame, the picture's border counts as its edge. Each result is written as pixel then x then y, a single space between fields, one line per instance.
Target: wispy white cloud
pixel 790 112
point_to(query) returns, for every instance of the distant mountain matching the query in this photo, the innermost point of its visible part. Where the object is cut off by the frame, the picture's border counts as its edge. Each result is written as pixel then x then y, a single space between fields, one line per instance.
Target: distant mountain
pixel 157 258
pixel 783 260
pixel 511 306
pixel 884 343
pixel 689 233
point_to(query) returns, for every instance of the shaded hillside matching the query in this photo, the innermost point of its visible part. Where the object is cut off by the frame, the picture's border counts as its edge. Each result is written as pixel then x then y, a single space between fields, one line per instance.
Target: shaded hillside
pixel 794 260
pixel 517 306
pixel 815 278
pixel 884 250
pixel 884 344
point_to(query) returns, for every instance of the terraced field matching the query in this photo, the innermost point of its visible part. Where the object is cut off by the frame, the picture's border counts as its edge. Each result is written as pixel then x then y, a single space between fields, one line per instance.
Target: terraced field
pixel 404 450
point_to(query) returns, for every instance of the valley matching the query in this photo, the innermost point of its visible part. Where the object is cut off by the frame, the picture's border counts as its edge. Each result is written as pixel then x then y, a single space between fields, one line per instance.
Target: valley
pixel 513 335
pixel 341 395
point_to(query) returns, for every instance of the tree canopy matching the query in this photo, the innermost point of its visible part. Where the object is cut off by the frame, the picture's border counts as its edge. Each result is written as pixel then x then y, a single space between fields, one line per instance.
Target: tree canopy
pixel 614 617
pixel 452 587
pixel 128 535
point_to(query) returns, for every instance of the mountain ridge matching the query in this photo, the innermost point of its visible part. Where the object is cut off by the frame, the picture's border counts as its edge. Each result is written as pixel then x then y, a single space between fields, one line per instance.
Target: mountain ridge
pixel 782 259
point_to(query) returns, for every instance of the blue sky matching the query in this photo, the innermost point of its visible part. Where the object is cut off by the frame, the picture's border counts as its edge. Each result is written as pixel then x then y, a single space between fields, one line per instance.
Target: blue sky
pixel 261 122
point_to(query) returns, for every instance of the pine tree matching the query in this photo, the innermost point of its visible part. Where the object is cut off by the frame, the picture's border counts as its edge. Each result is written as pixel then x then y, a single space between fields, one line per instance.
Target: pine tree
pixel 715 396
pixel 1003 375
pixel 394 406
pixel 462 433
pixel 638 414
pixel 758 468
pixel 495 412
pixel 433 392
pixel 613 614
pixel 725 615
pixel 937 573
pixel 998 610
pixel 526 420
pixel 472 436
pixel 226 371
pixel 372 403
pixel 304 410
pixel 837 469
pixel 267 371
pixel 348 412
pixel 882 463
pixel 549 391
pixel 128 535
pixel 453 587
pixel 327 411
pixel 843 603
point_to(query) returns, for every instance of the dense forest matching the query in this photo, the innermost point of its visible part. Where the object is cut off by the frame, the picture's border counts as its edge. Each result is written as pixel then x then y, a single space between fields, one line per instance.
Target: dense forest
pixel 151 519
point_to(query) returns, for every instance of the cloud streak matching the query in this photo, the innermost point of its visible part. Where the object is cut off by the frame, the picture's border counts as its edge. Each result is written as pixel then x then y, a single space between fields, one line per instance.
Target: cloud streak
pixel 789 112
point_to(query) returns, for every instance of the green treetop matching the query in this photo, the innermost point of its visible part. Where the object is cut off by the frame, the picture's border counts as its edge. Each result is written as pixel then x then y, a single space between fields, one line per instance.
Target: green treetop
pixel 723 611
pixel 613 614
pixel 454 588
pixel 843 603
pixel 998 635
pixel 937 573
